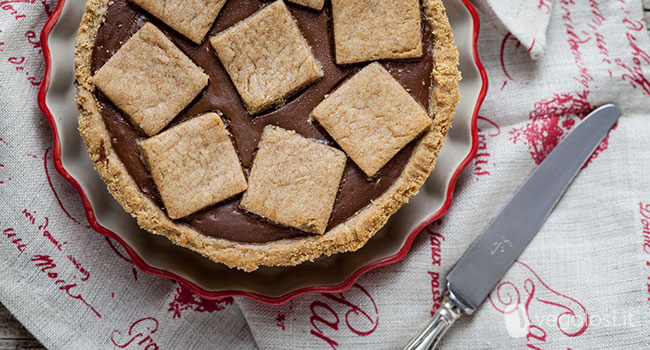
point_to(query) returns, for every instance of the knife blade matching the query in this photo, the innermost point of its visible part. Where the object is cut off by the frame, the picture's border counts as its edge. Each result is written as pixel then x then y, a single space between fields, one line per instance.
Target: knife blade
pixel 490 256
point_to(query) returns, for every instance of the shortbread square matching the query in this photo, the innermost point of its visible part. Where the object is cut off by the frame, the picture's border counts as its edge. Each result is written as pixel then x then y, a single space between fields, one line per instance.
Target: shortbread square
pixel 294 180
pixel 192 18
pixel 150 79
pixel 267 57
pixel 194 165
pixel 315 4
pixel 376 29
pixel 371 116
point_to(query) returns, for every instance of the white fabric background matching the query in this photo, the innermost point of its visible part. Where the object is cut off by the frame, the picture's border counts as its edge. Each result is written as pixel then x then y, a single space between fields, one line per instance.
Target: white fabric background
pixel 526 20
pixel 587 262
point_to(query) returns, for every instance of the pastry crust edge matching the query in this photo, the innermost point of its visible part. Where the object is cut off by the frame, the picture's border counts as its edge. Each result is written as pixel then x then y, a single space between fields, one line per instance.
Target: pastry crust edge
pixel 348 236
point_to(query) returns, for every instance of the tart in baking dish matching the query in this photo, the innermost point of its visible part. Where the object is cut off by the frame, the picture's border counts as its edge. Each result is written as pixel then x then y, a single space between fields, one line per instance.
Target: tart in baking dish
pixel 265 133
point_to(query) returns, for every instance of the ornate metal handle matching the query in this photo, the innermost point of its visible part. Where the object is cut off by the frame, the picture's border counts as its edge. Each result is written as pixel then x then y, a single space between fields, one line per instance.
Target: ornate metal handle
pixel 444 318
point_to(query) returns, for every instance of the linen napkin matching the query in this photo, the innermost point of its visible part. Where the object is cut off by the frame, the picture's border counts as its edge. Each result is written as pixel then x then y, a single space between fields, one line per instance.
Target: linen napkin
pixel 582 282
pixel 527 21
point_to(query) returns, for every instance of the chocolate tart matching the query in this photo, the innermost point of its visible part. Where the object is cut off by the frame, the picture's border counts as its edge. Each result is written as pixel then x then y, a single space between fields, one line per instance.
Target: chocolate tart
pixel 265 133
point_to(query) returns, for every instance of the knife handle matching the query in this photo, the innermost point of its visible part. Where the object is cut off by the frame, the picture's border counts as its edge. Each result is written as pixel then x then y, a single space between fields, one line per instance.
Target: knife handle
pixel 443 319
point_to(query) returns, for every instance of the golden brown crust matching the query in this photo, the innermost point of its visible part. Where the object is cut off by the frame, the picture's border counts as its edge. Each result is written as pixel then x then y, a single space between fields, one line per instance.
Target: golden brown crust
pixel 348 236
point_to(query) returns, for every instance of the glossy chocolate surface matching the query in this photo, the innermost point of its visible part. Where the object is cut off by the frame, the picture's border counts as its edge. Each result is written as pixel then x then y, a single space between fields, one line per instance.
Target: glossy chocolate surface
pixel 226 219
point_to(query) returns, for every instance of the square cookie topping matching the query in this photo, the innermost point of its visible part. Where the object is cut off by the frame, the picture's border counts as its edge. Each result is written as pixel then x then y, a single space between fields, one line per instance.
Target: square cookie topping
pixel 194 165
pixel 150 79
pixel 267 57
pixel 376 29
pixel 294 180
pixel 371 116
pixel 315 4
pixel 191 18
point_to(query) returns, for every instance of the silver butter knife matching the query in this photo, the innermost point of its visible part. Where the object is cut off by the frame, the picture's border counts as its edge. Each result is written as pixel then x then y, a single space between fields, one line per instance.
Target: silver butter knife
pixel 490 256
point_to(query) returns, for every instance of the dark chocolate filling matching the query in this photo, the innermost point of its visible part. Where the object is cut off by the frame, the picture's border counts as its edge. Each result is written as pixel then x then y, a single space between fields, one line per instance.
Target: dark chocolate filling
pixel 226 219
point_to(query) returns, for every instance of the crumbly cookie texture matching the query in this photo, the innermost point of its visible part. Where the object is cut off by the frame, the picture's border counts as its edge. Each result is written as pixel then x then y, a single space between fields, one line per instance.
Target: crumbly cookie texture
pixel 267 57
pixel 150 79
pixel 194 165
pixel 192 18
pixel 294 180
pixel 346 237
pixel 371 116
pixel 376 29
pixel 315 4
